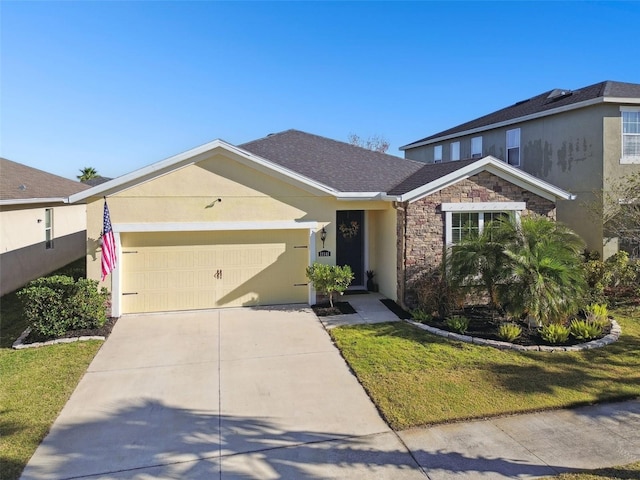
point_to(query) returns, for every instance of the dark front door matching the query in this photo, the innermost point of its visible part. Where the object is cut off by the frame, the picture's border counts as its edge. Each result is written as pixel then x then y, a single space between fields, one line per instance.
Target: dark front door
pixel 350 242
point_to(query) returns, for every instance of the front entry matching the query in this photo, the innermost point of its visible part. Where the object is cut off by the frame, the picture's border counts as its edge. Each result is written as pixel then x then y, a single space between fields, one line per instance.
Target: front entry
pixel 350 242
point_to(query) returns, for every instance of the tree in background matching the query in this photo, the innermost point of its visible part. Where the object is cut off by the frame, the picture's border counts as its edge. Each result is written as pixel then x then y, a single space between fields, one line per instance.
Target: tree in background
pixel 87 173
pixel 621 212
pixel 376 142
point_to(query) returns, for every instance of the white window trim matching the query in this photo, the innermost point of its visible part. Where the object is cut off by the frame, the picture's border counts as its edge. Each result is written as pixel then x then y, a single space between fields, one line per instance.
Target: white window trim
pixel 454 148
pixel 476 153
pixel 437 148
pixel 628 159
pixel 513 147
pixel 448 208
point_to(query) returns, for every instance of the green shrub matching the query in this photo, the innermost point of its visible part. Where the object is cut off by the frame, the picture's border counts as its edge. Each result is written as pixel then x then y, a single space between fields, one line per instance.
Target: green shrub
pixel 55 305
pixel 330 279
pixel 458 323
pixel 420 315
pixel 585 330
pixel 554 333
pixel 509 331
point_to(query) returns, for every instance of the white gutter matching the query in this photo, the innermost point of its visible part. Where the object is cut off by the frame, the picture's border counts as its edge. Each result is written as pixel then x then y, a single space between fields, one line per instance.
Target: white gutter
pixel 27 201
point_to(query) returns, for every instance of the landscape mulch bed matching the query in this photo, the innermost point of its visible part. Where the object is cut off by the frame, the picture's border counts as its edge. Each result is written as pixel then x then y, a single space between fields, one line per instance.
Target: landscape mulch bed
pixel 103 331
pixel 339 308
pixel 483 323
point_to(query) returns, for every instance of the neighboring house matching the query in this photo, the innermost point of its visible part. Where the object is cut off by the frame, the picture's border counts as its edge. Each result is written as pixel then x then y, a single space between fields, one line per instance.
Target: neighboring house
pixel 39 232
pixel 581 140
pixel 92 182
pixel 224 225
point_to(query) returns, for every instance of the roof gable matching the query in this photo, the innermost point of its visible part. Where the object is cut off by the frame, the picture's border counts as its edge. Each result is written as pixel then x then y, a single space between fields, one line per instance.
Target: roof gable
pixel 21 184
pixel 546 102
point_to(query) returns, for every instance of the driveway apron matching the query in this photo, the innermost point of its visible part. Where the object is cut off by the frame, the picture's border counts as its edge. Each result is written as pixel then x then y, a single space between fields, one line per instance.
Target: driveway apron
pixel 236 393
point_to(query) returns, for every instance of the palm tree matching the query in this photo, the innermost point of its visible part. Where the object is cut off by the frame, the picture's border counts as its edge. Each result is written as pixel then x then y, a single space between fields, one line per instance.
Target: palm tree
pixel 87 173
pixel 480 258
pixel 546 278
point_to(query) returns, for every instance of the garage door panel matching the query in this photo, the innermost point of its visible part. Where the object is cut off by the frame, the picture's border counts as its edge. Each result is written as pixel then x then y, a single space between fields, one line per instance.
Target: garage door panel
pixel 230 269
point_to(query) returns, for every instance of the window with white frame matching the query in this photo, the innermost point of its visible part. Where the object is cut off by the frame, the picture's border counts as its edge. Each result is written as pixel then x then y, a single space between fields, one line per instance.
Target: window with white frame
pixel 437 154
pixel 455 151
pixel 476 147
pixel 630 134
pixel 463 225
pixel 48 228
pixel 513 147
pixel 465 219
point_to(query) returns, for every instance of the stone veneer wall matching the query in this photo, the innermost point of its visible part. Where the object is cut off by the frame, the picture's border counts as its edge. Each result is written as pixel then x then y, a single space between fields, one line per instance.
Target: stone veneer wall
pixel 421 224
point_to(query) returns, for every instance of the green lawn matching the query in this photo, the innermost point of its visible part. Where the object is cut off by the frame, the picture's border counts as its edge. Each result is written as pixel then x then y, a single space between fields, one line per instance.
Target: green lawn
pixel 35 385
pixel 416 378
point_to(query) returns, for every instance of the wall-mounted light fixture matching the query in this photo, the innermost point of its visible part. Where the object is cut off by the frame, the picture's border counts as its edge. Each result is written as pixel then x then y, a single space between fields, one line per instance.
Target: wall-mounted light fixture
pixel 214 202
pixel 323 236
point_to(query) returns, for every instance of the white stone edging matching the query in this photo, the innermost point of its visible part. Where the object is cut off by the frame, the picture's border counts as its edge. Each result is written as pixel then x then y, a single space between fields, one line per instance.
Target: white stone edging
pixel 19 345
pixel 611 337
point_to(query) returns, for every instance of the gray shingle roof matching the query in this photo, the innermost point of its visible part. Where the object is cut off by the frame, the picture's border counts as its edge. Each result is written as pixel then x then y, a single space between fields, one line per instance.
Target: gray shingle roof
pixel 20 182
pixel 428 173
pixel 545 101
pixel 339 165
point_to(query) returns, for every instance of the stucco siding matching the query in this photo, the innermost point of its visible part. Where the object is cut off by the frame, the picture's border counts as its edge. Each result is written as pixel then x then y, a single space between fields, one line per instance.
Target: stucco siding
pixel 21 226
pixel 382 252
pixel 190 195
pixel 19 266
pixel 24 255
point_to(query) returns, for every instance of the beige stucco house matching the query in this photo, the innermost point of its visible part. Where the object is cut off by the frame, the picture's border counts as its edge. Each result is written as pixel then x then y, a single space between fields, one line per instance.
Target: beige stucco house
pixel 224 225
pixel 39 231
pixel 581 140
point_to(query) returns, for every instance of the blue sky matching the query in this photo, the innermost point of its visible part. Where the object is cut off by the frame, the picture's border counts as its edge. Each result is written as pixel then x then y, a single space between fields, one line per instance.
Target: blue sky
pixel 119 85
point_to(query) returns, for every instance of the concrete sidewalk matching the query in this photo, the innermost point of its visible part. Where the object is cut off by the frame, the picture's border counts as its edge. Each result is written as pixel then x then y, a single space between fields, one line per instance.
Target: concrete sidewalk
pixel 264 394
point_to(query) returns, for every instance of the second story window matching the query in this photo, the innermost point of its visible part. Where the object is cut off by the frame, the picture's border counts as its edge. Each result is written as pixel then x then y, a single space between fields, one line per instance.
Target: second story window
pixel 48 228
pixel 630 135
pixel 455 151
pixel 437 154
pixel 513 147
pixel 476 147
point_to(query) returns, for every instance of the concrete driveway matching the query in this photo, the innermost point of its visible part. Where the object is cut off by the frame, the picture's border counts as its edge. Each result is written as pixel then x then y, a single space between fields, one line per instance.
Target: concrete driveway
pixel 237 393
pixel 263 394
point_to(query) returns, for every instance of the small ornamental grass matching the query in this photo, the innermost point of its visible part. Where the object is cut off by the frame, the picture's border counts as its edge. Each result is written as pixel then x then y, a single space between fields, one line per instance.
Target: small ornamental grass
pixel 585 330
pixel 554 333
pixel 509 331
pixel 458 323
pixel 598 314
pixel 419 315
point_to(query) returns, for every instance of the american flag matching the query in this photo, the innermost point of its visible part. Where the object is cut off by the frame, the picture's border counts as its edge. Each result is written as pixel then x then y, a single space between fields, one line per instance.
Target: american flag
pixel 108 244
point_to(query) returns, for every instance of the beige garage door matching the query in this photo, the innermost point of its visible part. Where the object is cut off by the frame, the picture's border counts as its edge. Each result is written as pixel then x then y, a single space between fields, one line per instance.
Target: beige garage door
pixel 196 270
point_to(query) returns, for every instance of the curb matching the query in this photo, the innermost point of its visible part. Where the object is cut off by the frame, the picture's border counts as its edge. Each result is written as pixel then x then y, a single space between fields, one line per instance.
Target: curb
pixel 18 345
pixel 613 336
